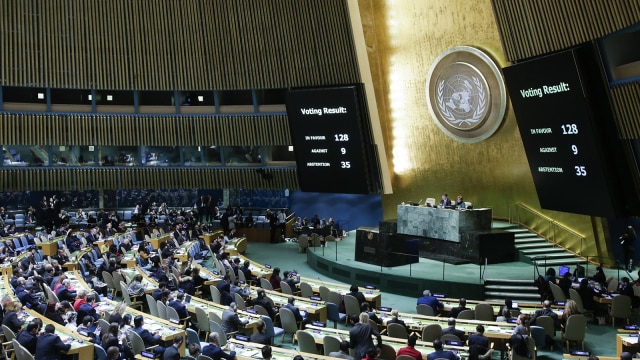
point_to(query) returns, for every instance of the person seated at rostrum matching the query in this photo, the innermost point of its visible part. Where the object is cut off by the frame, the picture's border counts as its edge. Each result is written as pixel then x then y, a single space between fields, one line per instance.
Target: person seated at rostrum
pixel 428 299
pixel 462 305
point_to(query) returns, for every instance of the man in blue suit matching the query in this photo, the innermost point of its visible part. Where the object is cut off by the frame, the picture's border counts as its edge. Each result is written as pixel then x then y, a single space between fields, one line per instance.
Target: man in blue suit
pixel 445 202
pixel 214 351
pixel 173 352
pixel 177 304
pixel 441 354
pixel 49 345
pixel 428 299
pixel 148 338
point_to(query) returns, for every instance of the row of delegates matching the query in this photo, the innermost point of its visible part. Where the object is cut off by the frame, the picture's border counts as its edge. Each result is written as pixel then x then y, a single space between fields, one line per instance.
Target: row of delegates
pixel 42 344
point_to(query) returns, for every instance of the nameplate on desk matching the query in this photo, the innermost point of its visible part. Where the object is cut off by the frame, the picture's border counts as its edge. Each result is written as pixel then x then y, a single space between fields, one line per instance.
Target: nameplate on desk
pixel 319 324
pixel 214 272
pixel 580 353
pixel 559 303
pixel 440 296
pixel 370 287
pixel 267 266
pixel 147 354
pixel 384 308
pixel 242 338
pixel 315 298
pixel 512 320
pixel 175 321
pixel 251 311
pixel 82 332
pixel 454 343
pixel 631 327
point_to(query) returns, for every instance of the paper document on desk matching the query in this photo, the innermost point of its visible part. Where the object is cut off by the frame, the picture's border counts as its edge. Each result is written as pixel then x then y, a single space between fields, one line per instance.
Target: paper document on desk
pixel 630 340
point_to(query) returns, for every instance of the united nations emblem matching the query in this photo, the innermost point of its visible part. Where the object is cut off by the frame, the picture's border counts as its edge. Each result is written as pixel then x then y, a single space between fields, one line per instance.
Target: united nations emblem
pixel 466 94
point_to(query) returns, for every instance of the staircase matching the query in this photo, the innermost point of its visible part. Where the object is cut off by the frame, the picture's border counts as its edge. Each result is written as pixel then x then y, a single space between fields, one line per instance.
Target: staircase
pixel 531 248
pixel 516 290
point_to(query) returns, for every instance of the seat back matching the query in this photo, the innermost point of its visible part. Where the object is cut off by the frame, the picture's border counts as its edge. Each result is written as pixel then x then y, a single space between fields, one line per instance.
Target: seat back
pixel 423 309
pixel 306 342
pixel 21 352
pixel 192 336
pixel 162 310
pixel 239 301
pixel 548 324
pixel 324 292
pixel 286 289
pixel 484 312
pixel 153 305
pixel 215 294
pixel 351 305
pixel 202 319
pixel 265 284
pixel 260 310
pixel 8 333
pixel 333 313
pixel 387 352
pixel 216 327
pixel 575 328
pixel 330 344
pixel 334 297
pixel 558 294
pixel 99 352
pixel 621 307
pixel 268 323
pixel 431 332
pixel 172 314
pixel 104 326
pixel 215 317
pixel 288 321
pixel 449 337
pixel 612 285
pixel 137 345
pixel 538 335
pixel 305 289
pixel 575 296
pixel 397 331
pixel 531 344
pixel 467 314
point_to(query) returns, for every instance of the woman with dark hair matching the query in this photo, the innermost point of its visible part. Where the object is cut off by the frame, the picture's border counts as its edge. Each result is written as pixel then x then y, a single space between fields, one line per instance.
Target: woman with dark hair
pixel 275 279
pixel 599 276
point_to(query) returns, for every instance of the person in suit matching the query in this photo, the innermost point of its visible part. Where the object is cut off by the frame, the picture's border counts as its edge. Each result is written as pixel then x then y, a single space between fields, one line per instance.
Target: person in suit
pixel 441 354
pixel 230 319
pixel 262 301
pixel 49 345
pixel 451 329
pixel 261 336
pixel 353 291
pixel 428 299
pixel 360 336
pixel 173 352
pixel 343 353
pixel 462 305
pixel 395 320
pixel 178 304
pixel 88 308
pixel 214 351
pixel 445 201
pixel 410 349
pixel 6 299
pixel 294 309
pixel 479 346
pixel 148 338
pixel 545 311
pixel 28 337
pixel 194 351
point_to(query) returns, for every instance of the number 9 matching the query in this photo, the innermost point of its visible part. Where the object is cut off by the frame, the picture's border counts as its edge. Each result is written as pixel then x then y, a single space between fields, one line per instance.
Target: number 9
pixel 575 149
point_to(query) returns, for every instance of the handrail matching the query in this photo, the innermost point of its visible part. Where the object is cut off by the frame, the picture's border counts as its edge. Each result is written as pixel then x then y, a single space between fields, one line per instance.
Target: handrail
pixel 553 230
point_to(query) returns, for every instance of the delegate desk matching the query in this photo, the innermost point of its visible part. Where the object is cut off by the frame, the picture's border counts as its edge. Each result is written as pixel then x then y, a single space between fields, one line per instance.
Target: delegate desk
pixel 625 342
pixel 148 282
pixel 209 237
pixel 211 307
pixel 80 345
pixel 252 351
pixel 256 269
pixel 317 310
pixel 50 247
pixel 524 308
pixel 373 296
pixel 165 329
pixel 156 240
pixel 424 347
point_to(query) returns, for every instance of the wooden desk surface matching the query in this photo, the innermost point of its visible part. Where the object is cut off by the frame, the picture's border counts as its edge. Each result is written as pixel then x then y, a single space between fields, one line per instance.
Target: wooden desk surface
pixel 373 296
pixel 251 351
pixel 79 344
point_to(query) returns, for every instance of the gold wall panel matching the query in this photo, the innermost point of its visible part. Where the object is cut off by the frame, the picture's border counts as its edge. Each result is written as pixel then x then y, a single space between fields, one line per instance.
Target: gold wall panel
pixel 627 109
pixel 404 37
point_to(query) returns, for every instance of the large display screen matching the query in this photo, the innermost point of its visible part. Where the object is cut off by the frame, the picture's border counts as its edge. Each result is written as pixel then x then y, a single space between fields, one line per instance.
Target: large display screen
pixel 561 134
pixel 331 135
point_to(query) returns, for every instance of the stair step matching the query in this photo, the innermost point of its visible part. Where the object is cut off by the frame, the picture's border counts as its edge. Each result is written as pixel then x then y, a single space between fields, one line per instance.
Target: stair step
pixel 533 245
pixel 559 262
pixel 515 299
pixel 545 251
pixel 509 288
pixel 530 240
pixel 525 235
pixel 512 295
pixel 552 256
pixel 519 230
pixel 509 281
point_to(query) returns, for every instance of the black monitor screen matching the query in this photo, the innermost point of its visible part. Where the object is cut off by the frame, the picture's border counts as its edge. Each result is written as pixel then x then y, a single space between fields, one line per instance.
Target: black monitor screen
pixel 331 135
pixel 561 121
